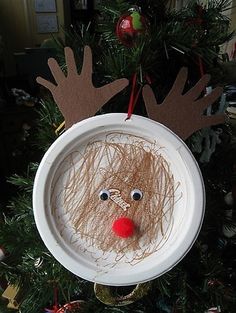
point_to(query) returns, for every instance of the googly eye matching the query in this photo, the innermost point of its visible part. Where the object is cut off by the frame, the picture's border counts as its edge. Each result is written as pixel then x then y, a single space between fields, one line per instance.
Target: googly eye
pixel 136 194
pixel 104 194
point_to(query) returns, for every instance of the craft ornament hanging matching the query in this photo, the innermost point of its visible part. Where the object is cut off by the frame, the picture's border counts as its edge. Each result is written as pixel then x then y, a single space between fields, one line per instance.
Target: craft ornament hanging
pixel 118 201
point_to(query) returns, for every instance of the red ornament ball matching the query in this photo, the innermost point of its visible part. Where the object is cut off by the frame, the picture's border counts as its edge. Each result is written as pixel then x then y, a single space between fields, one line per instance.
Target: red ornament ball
pixel 123 227
pixel 130 27
pixel 71 307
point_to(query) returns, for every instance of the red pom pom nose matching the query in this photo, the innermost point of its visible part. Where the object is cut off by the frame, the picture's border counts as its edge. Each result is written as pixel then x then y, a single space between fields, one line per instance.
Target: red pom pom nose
pixel 123 227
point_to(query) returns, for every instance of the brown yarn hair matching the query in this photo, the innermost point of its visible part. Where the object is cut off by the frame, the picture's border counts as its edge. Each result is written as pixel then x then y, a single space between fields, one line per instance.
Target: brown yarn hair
pixel 125 162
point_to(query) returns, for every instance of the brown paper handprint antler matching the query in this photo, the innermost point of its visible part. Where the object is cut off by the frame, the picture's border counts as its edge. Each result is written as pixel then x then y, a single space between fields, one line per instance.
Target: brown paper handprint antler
pixel 183 114
pixel 78 99
pixel 75 95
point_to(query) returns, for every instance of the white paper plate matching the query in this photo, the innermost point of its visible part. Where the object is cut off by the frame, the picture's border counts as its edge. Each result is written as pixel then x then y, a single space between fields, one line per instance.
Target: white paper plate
pixel 90 263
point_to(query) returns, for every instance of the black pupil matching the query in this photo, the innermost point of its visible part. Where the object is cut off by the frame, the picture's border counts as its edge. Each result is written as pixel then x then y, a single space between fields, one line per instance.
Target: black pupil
pixel 104 196
pixel 136 196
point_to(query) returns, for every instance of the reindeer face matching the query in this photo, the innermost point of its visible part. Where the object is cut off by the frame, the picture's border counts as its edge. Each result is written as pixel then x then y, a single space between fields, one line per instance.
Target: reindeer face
pixel 106 200
pixel 118 195
pixel 82 194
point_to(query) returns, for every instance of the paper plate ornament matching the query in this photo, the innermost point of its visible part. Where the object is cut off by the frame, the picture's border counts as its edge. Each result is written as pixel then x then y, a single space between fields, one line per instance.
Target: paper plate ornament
pixel 120 201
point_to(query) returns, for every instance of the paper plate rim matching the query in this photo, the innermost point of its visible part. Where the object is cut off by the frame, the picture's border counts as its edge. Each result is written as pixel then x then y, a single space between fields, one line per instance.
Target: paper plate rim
pixel 40 214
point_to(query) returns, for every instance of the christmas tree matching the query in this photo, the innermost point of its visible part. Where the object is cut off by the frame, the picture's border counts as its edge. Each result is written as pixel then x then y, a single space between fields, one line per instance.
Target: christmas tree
pixel 157 43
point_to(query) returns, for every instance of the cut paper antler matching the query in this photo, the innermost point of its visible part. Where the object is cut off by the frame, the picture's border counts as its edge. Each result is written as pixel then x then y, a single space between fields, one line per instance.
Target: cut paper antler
pixel 75 95
pixel 78 99
pixel 183 114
